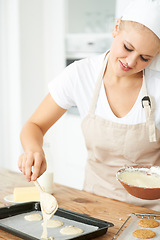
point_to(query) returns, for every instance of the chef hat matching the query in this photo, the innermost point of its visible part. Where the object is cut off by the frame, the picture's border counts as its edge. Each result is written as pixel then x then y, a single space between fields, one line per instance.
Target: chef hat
pixel 146 12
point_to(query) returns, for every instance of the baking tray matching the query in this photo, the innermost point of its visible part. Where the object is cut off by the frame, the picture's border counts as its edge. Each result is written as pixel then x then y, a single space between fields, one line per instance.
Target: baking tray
pixel 125 232
pixel 12 220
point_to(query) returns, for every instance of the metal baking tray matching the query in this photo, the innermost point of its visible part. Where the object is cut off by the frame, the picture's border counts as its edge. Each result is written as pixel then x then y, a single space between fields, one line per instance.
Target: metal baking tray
pixel 125 232
pixel 12 221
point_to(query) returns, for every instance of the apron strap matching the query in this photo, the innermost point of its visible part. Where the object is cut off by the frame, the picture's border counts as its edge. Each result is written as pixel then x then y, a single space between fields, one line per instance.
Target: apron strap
pixel 148 104
pixel 98 85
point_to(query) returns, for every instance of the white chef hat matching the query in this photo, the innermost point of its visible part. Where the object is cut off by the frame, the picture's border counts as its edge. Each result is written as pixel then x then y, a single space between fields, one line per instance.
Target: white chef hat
pixel 146 12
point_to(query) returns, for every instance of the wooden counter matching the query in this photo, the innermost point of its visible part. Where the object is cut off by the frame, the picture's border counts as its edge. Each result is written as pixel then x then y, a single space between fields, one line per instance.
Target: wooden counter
pixel 75 200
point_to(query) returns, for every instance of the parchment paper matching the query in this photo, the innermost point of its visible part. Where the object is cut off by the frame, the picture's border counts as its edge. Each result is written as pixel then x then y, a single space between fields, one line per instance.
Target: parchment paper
pixel 127 233
pixel 34 229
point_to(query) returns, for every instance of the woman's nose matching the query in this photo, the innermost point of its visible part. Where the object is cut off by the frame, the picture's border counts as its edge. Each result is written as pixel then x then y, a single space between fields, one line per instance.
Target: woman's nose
pixel 132 60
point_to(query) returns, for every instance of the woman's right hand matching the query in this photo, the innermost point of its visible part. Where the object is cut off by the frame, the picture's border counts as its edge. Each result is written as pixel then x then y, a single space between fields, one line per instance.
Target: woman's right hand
pixel 32 165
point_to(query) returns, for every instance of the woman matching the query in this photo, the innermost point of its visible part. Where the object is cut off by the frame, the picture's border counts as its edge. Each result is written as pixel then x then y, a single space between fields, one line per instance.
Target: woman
pixel 117 94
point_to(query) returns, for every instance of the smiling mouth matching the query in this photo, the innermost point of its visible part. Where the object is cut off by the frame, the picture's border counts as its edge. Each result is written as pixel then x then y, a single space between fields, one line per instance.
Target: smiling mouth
pixel 124 67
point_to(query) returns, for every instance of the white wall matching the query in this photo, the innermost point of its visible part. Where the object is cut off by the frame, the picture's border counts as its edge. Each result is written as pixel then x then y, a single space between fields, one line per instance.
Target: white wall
pixel 41 48
pixel 10 103
pixel 31 30
pixel 54 33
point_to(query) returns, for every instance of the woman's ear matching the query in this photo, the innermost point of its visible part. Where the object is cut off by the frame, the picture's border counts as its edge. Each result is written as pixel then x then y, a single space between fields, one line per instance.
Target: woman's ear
pixel 116 28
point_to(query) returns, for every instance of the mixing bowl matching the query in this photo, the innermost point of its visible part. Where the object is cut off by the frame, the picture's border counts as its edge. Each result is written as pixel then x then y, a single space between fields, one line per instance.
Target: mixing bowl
pixel 147 193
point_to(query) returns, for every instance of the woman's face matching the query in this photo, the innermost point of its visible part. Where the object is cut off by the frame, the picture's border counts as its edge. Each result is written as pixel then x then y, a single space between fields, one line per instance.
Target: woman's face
pixel 132 50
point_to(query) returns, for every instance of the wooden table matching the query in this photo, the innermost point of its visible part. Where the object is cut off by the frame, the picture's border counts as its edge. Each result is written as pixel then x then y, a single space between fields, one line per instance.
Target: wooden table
pixel 72 199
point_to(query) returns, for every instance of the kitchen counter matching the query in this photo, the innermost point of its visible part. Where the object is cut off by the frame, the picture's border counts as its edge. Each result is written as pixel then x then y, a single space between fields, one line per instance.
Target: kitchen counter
pixel 72 199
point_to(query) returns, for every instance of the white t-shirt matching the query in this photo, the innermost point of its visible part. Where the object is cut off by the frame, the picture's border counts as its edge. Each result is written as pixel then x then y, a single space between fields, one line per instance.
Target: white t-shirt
pixel 75 87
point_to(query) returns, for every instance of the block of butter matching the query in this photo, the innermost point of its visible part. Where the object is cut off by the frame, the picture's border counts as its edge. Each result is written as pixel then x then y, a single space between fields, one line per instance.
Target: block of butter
pixel 26 194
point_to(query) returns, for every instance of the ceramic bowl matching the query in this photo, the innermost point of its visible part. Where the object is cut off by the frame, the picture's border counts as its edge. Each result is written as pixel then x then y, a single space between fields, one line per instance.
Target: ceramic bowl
pixel 139 192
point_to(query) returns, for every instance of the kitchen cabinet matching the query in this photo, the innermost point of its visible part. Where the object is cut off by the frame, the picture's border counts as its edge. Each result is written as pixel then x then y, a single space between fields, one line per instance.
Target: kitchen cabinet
pixel 91 16
pixel 66 152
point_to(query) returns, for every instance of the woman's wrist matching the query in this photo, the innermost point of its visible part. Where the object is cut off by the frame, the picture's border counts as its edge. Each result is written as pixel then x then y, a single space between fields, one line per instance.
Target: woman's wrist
pixel 35 152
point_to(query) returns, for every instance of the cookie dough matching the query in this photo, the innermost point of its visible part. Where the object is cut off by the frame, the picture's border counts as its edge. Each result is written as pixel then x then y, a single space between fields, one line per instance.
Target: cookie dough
pixel 71 230
pixel 54 223
pixel 144 233
pixel 33 217
pixel 148 223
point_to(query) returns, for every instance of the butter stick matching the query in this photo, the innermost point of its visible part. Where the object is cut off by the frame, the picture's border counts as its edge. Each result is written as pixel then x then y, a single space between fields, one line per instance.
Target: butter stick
pixel 26 194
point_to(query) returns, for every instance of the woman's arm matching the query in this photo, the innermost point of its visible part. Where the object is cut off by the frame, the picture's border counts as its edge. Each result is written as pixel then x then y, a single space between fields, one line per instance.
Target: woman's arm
pixel 32 134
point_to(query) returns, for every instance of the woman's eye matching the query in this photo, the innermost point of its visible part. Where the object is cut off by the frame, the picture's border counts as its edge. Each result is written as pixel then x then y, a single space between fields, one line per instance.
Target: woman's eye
pixel 130 50
pixel 144 59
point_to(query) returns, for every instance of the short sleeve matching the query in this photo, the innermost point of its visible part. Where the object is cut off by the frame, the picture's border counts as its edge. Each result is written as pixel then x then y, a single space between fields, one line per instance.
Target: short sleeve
pixel 61 88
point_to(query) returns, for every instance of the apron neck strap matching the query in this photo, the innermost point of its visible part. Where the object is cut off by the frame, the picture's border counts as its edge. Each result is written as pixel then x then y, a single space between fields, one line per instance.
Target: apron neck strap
pixel 148 104
pixel 144 88
pixel 98 85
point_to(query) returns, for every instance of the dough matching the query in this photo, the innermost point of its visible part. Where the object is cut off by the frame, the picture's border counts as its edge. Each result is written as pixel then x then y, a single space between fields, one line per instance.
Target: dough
pixel 33 217
pixel 148 223
pixel 71 230
pixel 54 223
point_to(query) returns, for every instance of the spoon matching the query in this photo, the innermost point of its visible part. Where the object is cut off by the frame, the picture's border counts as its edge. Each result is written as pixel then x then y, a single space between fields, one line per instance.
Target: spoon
pixel 49 206
pixel 48 202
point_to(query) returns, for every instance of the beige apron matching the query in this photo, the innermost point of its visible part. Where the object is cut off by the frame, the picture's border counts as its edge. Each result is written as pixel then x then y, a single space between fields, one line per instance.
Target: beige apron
pixel 112 146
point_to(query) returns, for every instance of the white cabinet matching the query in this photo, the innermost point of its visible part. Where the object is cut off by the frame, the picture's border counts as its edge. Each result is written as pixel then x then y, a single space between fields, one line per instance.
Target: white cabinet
pixel 67 152
pixel 91 16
